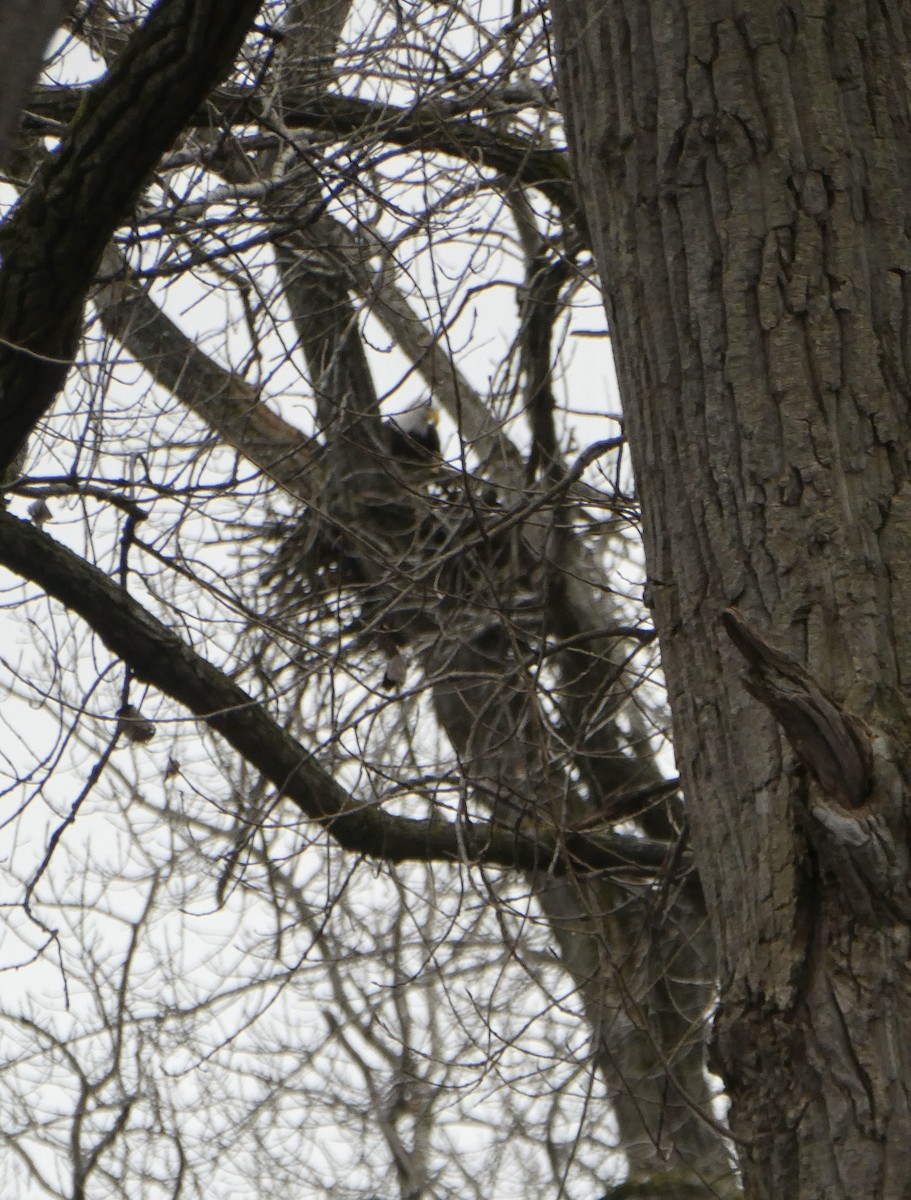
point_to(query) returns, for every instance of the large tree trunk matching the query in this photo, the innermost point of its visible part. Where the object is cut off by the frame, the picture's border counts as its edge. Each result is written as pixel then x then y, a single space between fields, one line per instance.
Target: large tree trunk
pixel 745 170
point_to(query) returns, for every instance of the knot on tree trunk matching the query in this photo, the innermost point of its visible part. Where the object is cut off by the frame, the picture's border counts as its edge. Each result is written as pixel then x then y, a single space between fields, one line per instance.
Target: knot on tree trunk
pixel 855 820
pixel 832 744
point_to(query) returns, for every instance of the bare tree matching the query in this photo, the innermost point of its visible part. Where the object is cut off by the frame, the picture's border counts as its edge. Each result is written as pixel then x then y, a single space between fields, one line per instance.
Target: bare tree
pixel 431 646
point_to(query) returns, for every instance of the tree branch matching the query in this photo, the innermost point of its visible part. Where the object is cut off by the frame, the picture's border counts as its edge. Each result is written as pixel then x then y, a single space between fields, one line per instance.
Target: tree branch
pixel 224 401
pixel 432 127
pixel 156 655
pixel 53 241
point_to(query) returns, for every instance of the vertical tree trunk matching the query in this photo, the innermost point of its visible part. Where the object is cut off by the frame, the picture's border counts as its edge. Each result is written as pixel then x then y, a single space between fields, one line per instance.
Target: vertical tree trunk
pixel 745 170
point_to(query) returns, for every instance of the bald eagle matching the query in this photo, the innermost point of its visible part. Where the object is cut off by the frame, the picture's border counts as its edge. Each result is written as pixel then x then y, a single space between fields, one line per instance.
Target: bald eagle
pixel 413 436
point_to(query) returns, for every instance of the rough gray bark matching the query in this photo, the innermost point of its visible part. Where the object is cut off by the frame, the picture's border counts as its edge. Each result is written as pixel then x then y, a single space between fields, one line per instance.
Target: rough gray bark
pixel 745 171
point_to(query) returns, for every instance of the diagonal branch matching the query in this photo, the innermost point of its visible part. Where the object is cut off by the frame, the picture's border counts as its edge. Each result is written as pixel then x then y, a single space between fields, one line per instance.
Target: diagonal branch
pixel 224 401
pixel 53 241
pixel 156 655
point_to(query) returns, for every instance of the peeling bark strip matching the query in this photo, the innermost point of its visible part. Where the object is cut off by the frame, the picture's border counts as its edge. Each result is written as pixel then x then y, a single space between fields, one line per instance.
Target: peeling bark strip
pixel 831 743
pixel 51 244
